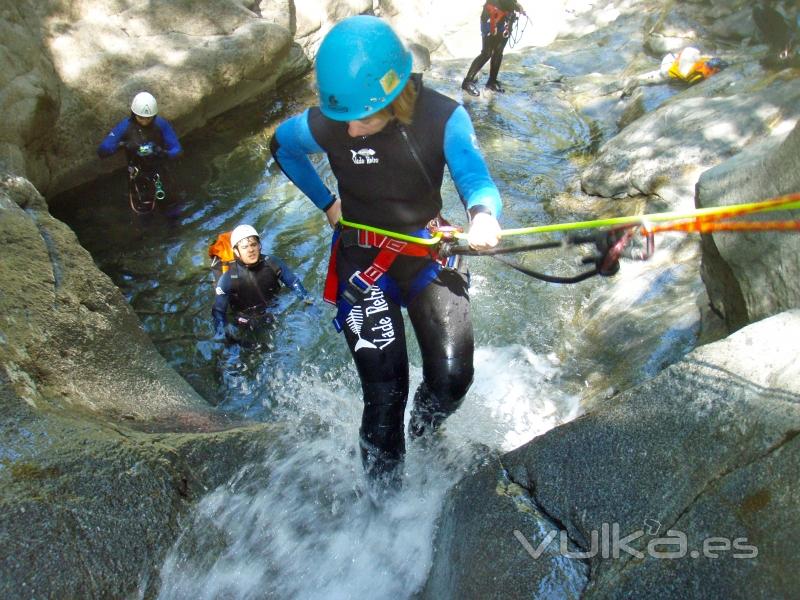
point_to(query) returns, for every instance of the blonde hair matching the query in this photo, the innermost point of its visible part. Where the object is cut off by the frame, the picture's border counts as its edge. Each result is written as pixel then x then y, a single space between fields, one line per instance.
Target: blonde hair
pixel 402 107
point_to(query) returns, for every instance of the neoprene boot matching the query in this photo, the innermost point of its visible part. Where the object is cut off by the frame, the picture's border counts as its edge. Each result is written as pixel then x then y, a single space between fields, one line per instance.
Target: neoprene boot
pixel 469 86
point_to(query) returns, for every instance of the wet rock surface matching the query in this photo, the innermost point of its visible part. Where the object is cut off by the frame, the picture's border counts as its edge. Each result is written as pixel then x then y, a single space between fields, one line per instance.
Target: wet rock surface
pixel 698 462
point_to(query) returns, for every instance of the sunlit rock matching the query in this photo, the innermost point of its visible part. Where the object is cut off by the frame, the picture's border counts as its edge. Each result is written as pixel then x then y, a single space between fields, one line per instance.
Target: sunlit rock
pixel 751 276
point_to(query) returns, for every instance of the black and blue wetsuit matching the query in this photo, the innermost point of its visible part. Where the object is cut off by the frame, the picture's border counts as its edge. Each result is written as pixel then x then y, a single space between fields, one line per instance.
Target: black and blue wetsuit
pixel 144 146
pixel 249 290
pixel 496 20
pixel 392 180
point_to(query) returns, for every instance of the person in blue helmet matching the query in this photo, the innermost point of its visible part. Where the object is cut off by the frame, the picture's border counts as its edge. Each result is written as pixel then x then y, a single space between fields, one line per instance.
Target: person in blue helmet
pixel 249 286
pixel 388 139
pixel 497 19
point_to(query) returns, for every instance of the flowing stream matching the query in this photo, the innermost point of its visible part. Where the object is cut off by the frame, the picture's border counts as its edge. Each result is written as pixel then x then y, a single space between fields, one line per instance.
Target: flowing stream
pixel 298 524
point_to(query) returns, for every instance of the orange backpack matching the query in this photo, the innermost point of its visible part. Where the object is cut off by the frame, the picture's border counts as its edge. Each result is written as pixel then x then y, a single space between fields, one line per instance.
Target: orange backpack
pixel 221 254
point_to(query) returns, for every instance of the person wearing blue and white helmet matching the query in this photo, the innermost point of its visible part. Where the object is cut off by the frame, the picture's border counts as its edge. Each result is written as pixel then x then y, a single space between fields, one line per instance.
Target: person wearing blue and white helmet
pixel 388 139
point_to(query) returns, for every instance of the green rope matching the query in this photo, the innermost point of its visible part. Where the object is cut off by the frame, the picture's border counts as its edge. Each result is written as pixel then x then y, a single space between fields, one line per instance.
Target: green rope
pixel 787 202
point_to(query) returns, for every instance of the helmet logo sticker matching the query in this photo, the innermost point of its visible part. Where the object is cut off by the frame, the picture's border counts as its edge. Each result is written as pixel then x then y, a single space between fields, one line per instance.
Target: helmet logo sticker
pixel 333 105
pixel 365 156
pixel 390 81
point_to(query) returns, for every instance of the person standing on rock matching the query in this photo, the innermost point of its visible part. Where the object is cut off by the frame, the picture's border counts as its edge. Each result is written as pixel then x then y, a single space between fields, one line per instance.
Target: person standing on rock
pixel 388 139
pixel 497 19
pixel 147 139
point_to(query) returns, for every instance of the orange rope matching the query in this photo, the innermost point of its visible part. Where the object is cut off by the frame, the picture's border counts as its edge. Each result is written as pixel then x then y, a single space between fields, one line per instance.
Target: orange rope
pixel 709 226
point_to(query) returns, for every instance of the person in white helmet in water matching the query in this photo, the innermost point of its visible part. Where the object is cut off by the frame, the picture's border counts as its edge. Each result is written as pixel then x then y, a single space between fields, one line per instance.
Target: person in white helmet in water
pixel 250 285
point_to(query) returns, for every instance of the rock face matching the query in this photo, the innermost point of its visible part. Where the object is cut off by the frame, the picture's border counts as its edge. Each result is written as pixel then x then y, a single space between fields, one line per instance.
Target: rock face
pixel 89 505
pixel 69 339
pixel 478 553
pixel 70 71
pixel 89 509
pixel 664 152
pixel 750 276
pixel 704 456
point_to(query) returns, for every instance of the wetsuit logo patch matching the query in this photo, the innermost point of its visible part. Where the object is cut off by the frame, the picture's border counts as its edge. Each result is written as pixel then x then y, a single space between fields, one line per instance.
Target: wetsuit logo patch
pixel 355 320
pixel 365 156
pixel 381 329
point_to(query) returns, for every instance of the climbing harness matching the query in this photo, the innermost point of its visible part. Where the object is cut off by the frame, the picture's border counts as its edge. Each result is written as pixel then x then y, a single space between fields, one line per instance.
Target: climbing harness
pixel 496 15
pixel 390 245
pixel 139 193
pixel 614 238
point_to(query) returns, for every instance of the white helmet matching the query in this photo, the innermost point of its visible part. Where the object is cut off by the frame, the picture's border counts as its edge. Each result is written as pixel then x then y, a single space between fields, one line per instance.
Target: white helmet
pixel 242 232
pixel 144 105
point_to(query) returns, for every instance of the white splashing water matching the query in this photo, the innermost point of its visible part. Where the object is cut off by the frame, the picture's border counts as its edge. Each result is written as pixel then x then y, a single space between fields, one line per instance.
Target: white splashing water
pixel 299 525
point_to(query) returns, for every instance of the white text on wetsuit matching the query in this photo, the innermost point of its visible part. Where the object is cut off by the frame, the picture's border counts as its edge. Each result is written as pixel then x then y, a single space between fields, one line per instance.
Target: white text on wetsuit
pixel 365 156
pixel 384 330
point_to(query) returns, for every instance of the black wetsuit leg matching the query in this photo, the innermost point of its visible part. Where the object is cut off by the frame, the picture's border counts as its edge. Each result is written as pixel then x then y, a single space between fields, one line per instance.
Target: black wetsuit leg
pixel 498 46
pixel 487 45
pixel 440 315
pixel 375 333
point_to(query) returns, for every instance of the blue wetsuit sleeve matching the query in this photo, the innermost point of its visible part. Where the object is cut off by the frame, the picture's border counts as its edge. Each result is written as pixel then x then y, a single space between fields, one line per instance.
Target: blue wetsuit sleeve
pixel 289 279
pixel 172 147
pixel 467 166
pixel 219 311
pixel 111 142
pixel 291 145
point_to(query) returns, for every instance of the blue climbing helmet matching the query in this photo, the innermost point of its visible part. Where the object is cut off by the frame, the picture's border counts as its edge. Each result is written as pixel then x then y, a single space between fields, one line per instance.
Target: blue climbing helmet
pixel 362 66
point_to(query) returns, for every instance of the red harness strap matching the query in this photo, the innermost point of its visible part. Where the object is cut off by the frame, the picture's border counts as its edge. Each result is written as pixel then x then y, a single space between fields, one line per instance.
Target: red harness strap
pixel 495 16
pixel 331 291
pixel 390 249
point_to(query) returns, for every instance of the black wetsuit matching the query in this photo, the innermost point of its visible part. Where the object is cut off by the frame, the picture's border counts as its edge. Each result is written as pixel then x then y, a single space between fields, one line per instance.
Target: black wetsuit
pixel 392 180
pixel 249 291
pixel 494 36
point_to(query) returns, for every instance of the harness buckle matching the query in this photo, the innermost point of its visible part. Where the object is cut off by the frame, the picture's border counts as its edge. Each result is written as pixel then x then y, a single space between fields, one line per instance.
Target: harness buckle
pixel 355 289
pixel 452 262
pixel 358 281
